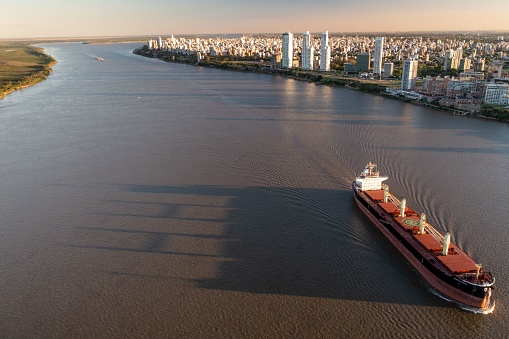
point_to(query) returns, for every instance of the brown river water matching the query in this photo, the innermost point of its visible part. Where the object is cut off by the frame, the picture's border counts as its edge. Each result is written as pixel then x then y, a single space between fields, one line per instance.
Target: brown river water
pixel 149 199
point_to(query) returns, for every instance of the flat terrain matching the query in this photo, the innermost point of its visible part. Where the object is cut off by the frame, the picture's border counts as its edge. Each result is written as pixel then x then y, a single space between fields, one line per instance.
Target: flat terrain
pixel 21 66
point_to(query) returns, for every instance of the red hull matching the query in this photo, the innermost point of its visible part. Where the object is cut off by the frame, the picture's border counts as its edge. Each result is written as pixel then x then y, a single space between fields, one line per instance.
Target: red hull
pixel 444 288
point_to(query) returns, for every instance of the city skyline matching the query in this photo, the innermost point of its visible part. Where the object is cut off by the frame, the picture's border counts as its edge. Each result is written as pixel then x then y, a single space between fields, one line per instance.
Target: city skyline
pixel 58 18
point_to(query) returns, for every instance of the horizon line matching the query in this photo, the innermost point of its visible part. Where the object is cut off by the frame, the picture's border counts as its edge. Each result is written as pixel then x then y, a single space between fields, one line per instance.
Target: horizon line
pixel 250 33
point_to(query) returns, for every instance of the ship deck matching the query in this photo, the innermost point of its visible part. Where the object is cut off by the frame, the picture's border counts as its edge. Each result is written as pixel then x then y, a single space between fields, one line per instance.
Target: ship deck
pixel 456 261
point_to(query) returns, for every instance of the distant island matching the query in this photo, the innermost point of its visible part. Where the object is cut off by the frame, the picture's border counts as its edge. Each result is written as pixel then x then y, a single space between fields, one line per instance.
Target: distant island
pixel 21 66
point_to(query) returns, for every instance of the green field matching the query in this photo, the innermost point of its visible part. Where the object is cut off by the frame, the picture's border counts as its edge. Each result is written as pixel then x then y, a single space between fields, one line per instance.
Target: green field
pixel 21 66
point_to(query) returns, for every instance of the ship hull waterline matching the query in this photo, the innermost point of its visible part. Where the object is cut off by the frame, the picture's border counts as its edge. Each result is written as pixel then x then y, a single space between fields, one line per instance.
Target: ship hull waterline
pixel 446 290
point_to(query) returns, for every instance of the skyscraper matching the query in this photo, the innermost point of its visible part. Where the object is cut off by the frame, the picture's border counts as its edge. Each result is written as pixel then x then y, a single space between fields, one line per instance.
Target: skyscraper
pixel 307 51
pixel 448 59
pixel 287 57
pixel 379 54
pixel 325 52
pixel 452 58
pixel 409 74
pixel 363 61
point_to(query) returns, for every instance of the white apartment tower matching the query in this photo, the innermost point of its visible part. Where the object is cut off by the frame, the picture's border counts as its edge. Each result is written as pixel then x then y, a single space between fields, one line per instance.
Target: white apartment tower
pixel 159 43
pixel 452 58
pixel 325 52
pixel 287 53
pixel 378 56
pixel 409 74
pixel 307 52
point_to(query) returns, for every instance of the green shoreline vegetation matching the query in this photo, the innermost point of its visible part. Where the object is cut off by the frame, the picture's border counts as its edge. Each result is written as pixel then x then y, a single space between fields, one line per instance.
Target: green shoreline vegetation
pixel 22 65
pixel 334 78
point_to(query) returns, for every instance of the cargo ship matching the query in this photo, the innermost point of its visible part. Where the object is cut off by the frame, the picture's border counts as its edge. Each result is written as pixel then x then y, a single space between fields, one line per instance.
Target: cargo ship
pixel 449 270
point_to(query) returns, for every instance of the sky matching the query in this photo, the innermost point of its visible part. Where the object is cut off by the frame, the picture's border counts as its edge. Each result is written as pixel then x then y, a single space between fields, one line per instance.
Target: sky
pixel 90 18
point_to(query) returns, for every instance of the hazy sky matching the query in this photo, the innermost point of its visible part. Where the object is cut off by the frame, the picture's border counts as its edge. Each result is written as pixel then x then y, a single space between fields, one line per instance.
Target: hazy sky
pixel 71 18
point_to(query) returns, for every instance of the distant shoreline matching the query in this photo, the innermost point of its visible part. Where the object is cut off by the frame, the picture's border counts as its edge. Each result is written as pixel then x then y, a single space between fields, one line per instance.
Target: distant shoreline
pixel 319 79
pixel 22 67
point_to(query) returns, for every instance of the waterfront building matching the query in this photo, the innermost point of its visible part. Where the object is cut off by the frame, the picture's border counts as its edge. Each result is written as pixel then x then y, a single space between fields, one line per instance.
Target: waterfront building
pixel 349 68
pixel 409 74
pixel 287 50
pixel 468 103
pixel 363 62
pixel 308 52
pixel 159 43
pixel 466 95
pixel 275 60
pixel 434 86
pixel 325 52
pixel 378 56
pixel 497 94
pixel 457 88
pixel 388 69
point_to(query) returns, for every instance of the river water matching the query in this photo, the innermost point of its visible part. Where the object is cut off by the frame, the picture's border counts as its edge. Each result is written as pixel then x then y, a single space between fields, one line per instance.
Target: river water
pixel 143 198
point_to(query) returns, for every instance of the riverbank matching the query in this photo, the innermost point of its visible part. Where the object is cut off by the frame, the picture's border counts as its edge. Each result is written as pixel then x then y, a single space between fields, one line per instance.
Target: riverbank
pixel 330 79
pixel 22 66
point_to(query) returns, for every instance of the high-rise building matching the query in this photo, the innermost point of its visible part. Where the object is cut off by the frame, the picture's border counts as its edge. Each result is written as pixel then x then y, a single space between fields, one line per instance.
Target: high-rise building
pixel 452 58
pixel 378 56
pixel 465 64
pixel 324 52
pixel 409 74
pixel 307 52
pixel 459 54
pixel 448 59
pixel 287 50
pixel 388 69
pixel 275 60
pixel 159 43
pixel 479 65
pixel 363 62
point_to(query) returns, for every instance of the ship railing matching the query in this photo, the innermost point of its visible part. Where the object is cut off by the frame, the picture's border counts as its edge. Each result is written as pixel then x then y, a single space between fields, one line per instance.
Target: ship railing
pixel 476 278
pixel 394 200
pixel 430 229
pixel 437 235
